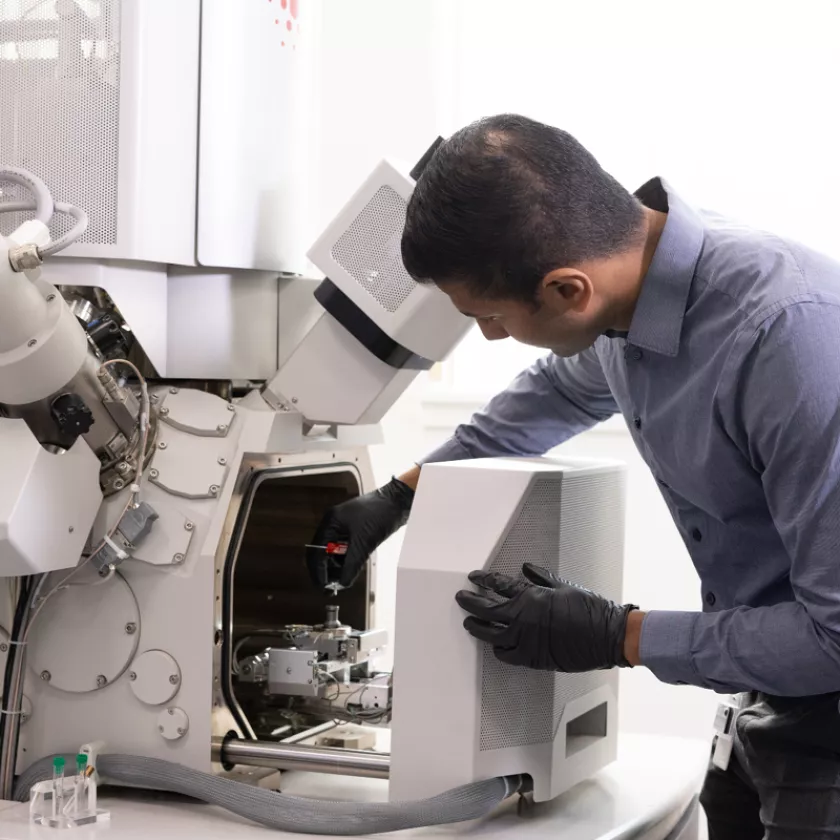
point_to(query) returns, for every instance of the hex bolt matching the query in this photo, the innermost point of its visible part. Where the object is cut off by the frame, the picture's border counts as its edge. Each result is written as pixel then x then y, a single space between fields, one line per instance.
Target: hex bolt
pixel 132 676
pixel 188 526
pixel 154 473
pixel 214 489
pixel 174 679
pixel 101 680
pixel 32 342
pixel 46 676
pixel 50 298
pixel 222 427
pixel 162 445
pixel 131 628
pixel 222 461
pixel 178 558
pixel 118 484
pixel 123 468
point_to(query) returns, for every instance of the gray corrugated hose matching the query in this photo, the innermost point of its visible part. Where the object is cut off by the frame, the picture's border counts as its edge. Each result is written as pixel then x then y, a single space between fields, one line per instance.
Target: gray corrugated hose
pixel 291 813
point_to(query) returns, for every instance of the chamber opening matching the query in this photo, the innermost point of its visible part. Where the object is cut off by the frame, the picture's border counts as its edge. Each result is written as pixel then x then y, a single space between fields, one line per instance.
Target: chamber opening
pixel 586 729
pixel 270 588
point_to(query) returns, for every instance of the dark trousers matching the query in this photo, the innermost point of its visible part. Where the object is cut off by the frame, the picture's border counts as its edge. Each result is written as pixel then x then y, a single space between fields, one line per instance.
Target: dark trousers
pixel 783 778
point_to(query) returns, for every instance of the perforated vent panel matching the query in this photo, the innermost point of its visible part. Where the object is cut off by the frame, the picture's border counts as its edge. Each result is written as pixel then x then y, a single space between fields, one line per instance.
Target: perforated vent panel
pixel 369 250
pixel 59 106
pixel 575 529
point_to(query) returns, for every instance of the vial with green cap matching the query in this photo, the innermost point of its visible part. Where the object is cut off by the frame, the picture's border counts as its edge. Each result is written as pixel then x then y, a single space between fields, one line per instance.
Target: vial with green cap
pixel 58 786
pixel 79 782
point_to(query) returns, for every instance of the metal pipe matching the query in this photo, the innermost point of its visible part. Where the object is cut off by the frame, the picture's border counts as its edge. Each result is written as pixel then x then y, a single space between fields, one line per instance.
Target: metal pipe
pixel 370 765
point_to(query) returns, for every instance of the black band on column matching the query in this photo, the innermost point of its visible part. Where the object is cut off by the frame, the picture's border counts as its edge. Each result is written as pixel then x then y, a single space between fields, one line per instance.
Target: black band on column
pixel 365 330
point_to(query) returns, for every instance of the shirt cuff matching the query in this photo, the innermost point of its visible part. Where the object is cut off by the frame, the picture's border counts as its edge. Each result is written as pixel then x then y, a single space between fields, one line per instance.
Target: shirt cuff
pixel 665 646
pixel 452 450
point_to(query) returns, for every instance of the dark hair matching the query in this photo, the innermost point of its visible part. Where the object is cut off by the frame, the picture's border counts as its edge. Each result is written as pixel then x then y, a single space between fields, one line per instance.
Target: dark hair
pixel 505 201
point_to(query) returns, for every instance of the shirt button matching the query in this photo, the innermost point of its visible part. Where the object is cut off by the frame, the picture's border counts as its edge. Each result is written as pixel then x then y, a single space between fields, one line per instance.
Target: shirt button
pixel 637 422
pixel 710 598
pixel 696 534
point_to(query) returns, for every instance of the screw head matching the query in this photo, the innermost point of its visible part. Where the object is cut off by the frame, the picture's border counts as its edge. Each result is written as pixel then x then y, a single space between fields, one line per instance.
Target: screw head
pixel 123 468
pixel 170 711
pixel 173 390
pixel 309 682
pixel 154 473
pixel 162 445
pixel 70 529
pixel 131 628
pixel 231 407
pixel 153 398
pixel 222 427
pixel 46 676
pixel 174 679
pixel 118 484
pixel 160 729
pixel 294 400
pixel 188 526
pixel 32 342
pixel 181 730
pixel 101 680
pixel 178 558
pixel 132 676
pixel 164 411
pixel 3 647
pixel 50 298
pixel 288 670
pixel 214 489
pixel 222 461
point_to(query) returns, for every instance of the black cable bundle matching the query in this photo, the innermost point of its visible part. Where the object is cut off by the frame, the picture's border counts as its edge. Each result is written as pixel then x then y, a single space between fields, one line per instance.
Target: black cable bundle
pixel 9 722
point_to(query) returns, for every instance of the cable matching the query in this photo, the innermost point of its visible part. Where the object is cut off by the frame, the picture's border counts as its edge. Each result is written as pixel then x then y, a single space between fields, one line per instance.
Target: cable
pixel 44 207
pixel 72 235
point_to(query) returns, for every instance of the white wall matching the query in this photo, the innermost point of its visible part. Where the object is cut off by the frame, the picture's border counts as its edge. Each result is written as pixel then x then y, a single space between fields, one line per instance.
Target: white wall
pixel 733 102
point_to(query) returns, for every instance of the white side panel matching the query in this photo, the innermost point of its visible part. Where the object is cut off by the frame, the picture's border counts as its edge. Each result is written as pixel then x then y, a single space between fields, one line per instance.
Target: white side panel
pixel 256 65
pixel 221 325
pixel 47 502
pixel 496 514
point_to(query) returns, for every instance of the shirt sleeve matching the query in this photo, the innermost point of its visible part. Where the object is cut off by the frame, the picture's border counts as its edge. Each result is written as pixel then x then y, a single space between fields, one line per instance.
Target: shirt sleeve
pixel 784 397
pixel 545 405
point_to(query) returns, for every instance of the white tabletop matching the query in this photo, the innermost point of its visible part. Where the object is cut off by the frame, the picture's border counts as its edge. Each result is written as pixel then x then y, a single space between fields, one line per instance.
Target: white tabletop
pixel 642 795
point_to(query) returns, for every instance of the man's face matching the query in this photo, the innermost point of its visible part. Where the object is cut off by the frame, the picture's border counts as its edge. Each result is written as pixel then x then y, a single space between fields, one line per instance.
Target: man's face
pixel 563 318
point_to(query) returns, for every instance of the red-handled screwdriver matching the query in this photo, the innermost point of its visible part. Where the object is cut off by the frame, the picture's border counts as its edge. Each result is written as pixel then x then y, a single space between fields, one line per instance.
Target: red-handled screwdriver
pixel 331 547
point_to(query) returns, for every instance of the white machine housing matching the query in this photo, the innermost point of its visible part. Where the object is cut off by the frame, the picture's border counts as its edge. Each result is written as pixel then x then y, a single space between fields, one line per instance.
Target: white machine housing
pixel 460 714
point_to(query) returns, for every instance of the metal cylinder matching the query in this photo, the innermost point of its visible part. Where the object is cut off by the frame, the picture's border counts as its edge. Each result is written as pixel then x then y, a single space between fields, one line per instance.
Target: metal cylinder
pixel 332 621
pixel 370 765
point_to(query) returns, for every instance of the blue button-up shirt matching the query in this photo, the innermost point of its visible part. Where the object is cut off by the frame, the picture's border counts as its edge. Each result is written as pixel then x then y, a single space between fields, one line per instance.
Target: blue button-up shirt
pixel 729 380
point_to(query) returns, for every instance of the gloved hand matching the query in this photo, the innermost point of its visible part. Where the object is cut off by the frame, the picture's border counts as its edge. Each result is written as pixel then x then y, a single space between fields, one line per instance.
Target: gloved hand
pixel 546 623
pixel 364 523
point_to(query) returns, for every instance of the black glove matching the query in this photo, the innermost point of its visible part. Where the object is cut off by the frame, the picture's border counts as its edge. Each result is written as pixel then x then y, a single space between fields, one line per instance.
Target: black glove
pixel 364 523
pixel 545 623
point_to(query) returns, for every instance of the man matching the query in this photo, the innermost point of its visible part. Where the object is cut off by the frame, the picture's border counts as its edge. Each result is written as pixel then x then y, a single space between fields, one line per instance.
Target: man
pixel 720 346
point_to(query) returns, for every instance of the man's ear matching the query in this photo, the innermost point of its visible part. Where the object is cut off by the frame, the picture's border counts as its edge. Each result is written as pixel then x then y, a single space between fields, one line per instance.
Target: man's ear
pixel 568 288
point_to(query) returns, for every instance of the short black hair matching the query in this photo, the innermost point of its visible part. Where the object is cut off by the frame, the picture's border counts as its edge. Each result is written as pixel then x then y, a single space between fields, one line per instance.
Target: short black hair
pixel 505 201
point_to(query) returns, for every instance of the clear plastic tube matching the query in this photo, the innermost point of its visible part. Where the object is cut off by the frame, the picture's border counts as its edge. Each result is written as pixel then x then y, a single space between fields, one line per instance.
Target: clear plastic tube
pixel 58 786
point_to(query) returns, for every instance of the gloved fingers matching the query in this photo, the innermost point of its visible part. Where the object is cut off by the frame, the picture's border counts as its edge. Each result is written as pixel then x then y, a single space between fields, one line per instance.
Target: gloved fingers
pixel 353 562
pixel 504 585
pixel 481 606
pixel 316 563
pixel 541 576
pixel 510 656
pixel 323 568
pixel 485 631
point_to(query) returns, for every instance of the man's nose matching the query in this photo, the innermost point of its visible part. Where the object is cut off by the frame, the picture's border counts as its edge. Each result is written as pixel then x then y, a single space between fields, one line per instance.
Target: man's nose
pixel 492 330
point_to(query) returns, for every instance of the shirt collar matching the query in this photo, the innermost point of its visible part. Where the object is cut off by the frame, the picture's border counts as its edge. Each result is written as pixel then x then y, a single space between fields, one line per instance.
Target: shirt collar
pixel 658 318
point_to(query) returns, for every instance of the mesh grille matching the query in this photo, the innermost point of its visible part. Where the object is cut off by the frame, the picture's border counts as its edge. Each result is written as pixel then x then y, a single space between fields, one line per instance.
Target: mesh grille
pixel 59 95
pixel 579 521
pixel 369 250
